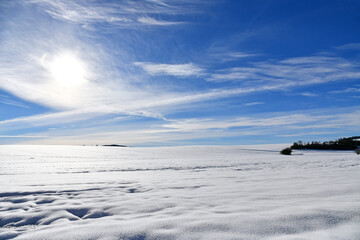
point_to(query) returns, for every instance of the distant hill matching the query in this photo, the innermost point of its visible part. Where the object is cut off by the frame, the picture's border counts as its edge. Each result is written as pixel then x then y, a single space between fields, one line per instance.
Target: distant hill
pixel 114 145
pixel 350 143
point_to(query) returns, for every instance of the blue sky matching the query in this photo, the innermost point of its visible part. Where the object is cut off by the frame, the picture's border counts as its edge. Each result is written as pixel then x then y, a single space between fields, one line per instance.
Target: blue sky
pixel 170 72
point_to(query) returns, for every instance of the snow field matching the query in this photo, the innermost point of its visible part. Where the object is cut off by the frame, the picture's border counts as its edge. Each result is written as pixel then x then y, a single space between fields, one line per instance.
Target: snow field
pixel 195 192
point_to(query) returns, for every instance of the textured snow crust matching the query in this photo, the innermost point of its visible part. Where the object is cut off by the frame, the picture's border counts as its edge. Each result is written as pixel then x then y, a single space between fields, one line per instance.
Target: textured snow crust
pixel 196 192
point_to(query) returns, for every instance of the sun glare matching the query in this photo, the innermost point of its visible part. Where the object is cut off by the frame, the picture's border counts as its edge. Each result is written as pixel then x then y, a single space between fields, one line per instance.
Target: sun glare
pixel 67 70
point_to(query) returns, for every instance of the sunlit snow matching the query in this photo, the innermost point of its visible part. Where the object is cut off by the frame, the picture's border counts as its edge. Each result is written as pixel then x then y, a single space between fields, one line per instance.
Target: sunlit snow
pixel 197 192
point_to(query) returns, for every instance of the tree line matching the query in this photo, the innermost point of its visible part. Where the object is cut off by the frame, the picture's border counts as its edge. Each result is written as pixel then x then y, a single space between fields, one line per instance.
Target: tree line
pixel 350 143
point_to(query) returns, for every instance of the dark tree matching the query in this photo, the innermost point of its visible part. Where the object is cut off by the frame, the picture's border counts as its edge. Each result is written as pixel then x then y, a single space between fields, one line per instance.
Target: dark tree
pixel 286 151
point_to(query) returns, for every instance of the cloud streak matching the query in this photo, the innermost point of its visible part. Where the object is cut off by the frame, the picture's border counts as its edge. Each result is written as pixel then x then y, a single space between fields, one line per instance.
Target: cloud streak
pixel 283 125
pixel 155 22
pixel 6 100
pixel 123 13
pixel 300 71
pixel 179 70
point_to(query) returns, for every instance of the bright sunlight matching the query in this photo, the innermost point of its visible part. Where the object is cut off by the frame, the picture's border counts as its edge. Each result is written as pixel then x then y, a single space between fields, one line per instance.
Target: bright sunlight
pixel 67 70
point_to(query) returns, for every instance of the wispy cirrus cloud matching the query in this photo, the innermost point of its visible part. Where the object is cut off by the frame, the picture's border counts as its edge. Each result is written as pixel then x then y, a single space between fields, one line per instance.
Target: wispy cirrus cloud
pixel 179 70
pixel 156 22
pixel 309 94
pixel 309 133
pixel 299 71
pixel 235 74
pixel 151 106
pixel 242 54
pixel 253 103
pixel 79 12
pixel 310 122
pixel 123 13
pixel 23 136
pixel 197 124
pixel 349 46
pixel 347 90
pixel 225 56
pixel 6 100
pixel 283 125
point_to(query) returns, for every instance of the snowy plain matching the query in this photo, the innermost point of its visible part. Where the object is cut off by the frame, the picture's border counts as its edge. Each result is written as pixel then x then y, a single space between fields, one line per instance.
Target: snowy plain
pixel 193 192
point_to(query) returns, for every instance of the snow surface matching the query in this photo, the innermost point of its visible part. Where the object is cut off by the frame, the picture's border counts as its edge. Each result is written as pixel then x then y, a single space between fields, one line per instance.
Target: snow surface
pixel 197 192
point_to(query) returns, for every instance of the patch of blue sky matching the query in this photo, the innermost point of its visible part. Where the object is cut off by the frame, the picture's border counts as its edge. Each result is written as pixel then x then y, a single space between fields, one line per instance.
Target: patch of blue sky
pixel 15 107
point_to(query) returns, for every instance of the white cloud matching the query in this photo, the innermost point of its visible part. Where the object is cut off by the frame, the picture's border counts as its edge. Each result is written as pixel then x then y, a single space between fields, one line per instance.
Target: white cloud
pixel 153 21
pixel 253 103
pixel 349 46
pixel 198 124
pixel 299 71
pixel 224 55
pixel 172 131
pixel 310 60
pixel 305 134
pixel 347 90
pixel 77 12
pixel 23 136
pixel 48 119
pixel 179 70
pixel 242 54
pixel 235 74
pixel 308 94
pixel 6 100
pixel 124 13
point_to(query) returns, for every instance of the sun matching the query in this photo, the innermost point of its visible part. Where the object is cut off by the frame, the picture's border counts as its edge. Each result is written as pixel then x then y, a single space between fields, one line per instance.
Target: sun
pixel 67 77
pixel 67 70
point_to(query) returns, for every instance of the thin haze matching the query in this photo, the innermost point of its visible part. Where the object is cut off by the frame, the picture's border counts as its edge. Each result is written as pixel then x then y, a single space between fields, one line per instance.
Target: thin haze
pixel 169 72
